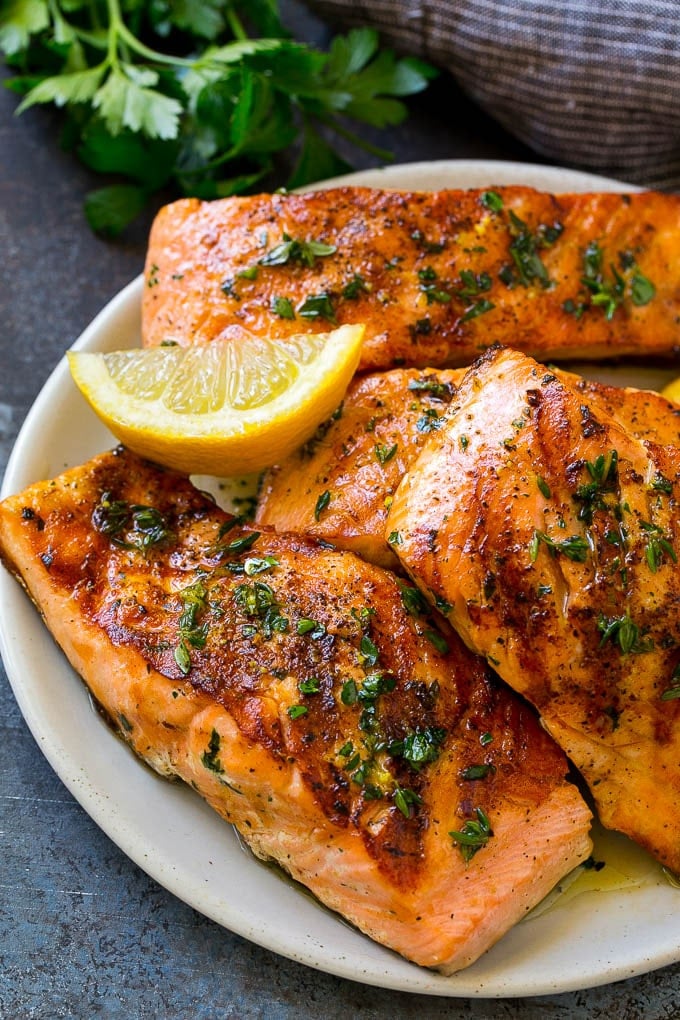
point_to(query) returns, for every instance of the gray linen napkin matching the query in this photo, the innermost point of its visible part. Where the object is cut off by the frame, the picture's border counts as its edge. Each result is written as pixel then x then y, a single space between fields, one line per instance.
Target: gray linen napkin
pixel 587 83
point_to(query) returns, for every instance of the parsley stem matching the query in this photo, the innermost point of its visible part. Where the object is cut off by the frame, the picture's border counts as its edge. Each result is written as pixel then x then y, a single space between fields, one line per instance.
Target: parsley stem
pixel 119 32
pixel 355 139
pixel 234 23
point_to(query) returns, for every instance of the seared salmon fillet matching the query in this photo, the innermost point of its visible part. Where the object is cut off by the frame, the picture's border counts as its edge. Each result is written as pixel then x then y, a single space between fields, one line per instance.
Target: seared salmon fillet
pixel 549 535
pixel 310 699
pixel 644 413
pixel 437 277
pixel 339 486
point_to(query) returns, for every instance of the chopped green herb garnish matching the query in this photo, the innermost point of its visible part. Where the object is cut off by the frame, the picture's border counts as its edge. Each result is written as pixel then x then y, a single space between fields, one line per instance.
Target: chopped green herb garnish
pixel 312 627
pixel 437 639
pixel 474 835
pixel 571 307
pixel 293 250
pixel 489 585
pixel 385 453
pixel 435 294
pixel 243 543
pixel 430 421
pixel 349 692
pixel 406 800
pixel 543 486
pixel 603 472
pixel 662 484
pixel 442 605
pixel 437 389
pixel 604 467
pixel 673 692
pixel 609 294
pixel 473 284
pixel 657 546
pixel 191 633
pixel 480 307
pixel 492 201
pixel 375 684
pixel 419 747
pixel 642 290
pixel 248 273
pixel 431 247
pixel 394 538
pixel 321 504
pixel 310 686
pixel 574 548
pixel 227 288
pixel 130 525
pixel 622 631
pixel 412 599
pixel 258 600
pixel 318 306
pixel 369 651
pixel 421 327
pixel 259 565
pixel 356 286
pixel 125 722
pixel 473 772
pixel 524 248
pixel 283 307
pixel 507 276
pixel 363 615
pixel 372 792
pixel 210 757
pixel 295 711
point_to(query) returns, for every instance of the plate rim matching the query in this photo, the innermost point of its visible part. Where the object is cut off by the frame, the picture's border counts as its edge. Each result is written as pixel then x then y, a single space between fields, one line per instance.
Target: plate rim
pixel 398 974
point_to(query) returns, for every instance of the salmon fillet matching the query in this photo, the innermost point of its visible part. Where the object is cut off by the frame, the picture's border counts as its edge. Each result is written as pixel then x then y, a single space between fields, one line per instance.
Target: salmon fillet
pixel 436 277
pixel 310 699
pixel 359 457
pixel 549 533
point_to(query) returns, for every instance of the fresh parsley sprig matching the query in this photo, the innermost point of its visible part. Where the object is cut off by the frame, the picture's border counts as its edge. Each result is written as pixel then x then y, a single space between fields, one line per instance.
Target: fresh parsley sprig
pixel 179 95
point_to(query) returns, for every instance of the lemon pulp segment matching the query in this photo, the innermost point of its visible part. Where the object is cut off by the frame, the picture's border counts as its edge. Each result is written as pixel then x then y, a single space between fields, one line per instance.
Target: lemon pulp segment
pixel 222 408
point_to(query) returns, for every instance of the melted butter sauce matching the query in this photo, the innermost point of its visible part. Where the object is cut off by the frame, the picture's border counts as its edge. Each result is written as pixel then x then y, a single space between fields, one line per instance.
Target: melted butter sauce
pixel 619 864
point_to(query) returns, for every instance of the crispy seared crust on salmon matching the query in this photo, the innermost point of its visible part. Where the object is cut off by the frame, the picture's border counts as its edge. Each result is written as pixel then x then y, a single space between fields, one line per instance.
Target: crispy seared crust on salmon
pixel 436 277
pixel 553 534
pixel 309 698
pixel 360 456
pixel 646 414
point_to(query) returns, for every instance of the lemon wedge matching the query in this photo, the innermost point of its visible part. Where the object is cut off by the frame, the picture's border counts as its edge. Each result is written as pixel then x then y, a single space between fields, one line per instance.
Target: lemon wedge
pixel 222 408
pixel 672 391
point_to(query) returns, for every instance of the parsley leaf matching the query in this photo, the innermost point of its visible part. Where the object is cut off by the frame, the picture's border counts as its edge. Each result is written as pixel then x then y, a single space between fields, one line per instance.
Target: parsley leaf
pixel 228 109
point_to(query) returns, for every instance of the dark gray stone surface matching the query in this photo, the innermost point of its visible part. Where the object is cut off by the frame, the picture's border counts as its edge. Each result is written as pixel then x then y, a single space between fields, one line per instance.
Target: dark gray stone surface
pixel 84 932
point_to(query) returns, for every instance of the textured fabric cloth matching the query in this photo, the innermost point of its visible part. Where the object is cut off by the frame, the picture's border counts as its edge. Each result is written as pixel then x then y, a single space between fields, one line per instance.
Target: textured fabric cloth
pixel 584 82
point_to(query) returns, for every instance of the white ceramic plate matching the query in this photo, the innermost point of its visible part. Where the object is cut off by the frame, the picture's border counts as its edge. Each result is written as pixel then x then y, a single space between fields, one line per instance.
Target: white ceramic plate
pixel 594 938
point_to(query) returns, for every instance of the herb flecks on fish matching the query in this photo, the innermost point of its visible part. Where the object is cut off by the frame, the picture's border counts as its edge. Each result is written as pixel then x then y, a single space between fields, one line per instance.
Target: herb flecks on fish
pixel 473 835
